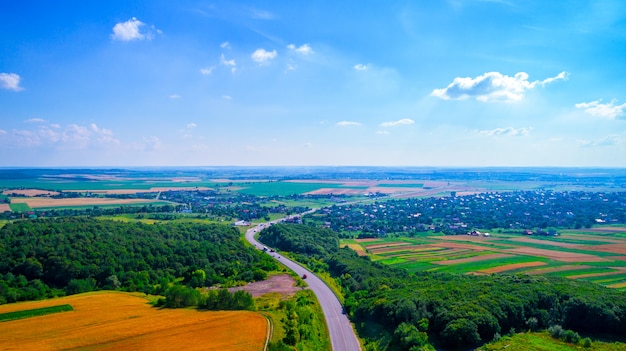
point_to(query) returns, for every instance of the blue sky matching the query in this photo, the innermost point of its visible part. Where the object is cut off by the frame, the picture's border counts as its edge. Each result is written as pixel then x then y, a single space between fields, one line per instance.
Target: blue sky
pixel 398 83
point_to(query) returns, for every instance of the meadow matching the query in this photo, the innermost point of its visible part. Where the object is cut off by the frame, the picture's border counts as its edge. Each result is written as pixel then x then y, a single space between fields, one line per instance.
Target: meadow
pixel 116 320
pixel 598 256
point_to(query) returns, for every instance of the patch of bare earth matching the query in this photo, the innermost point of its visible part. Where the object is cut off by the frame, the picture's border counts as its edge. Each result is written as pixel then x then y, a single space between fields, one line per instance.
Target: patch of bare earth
pixel 545 242
pixel 472 259
pixel 557 255
pixel 5 208
pixel 603 274
pixel 282 284
pixel 357 248
pixel 378 246
pixel 619 249
pixel 510 267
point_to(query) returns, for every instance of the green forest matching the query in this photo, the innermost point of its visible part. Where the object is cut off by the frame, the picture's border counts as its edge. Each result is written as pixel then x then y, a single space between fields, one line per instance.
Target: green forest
pixel 395 310
pixel 54 257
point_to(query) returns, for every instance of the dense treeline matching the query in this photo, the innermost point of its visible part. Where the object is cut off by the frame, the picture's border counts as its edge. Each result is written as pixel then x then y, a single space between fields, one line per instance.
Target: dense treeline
pixel 413 311
pixel 51 257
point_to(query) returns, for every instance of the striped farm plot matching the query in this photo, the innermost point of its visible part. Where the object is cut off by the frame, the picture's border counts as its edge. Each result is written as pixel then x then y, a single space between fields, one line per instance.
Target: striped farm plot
pixel 585 256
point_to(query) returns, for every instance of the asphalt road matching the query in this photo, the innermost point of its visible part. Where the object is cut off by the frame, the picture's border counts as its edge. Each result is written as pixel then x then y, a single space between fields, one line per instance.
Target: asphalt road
pixel 342 336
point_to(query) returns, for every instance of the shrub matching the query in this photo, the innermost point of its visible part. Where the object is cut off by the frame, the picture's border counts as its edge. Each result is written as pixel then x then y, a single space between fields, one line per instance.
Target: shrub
pixel 556 331
pixel 586 342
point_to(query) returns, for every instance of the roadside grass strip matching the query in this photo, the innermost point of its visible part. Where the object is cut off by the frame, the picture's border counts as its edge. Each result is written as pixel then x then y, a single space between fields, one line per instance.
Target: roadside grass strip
pixel 11 316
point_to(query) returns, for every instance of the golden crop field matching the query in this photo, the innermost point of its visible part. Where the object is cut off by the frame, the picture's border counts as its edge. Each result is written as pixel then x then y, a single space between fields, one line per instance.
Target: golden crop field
pixel 124 321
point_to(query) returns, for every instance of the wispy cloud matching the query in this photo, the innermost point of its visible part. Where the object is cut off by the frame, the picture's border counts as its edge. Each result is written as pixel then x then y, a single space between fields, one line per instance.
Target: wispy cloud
pixel 401 122
pixel 132 30
pixel 509 131
pixel 10 81
pixel 174 96
pixel 225 45
pixel 360 67
pixel 208 70
pixel 492 86
pixel 231 63
pixel 383 132
pixel 303 49
pixel 263 56
pixel 597 108
pixel 609 140
pixel 35 120
pixel 72 136
pixel 348 124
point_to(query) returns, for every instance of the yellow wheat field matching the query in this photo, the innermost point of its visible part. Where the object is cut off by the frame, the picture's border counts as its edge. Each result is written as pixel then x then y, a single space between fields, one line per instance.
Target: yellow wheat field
pixel 121 321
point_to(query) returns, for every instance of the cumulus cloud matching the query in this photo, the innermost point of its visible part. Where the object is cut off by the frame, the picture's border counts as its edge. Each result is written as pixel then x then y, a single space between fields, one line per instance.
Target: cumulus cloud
pixel 492 86
pixel 360 67
pixel 597 108
pixel 132 30
pixel 304 49
pixel 10 81
pixel 262 55
pixel 509 131
pixel 348 124
pixel 609 140
pixel 401 122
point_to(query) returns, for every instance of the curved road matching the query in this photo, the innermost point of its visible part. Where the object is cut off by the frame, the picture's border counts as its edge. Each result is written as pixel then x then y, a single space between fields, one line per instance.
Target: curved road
pixel 342 336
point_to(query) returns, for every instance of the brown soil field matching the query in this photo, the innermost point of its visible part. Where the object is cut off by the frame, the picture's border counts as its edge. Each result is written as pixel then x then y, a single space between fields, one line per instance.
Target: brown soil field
pixel 30 192
pixel 5 208
pixel 37 202
pixel 557 255
pixel 619 249
pixel 336 191
pixel 510 267
pixel 557 269
pixel 463 246
pixel 526 239
pixel 412 248
pixel 621 270
pixel 378 246
pixel 121 321
pixel 473 259
pixel 282 284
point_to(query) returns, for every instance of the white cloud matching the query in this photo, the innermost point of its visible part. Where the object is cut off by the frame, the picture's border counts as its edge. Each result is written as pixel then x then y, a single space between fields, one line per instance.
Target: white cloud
pixel 348 124
pixel 304 49
pixel 262 55
pixel 231 63
pixel 35 120
pixel 225 45
pixel 208 70
pixel 609 140
pixel 131 30
pixel 174 96
pixel 10 81
pixel 227 97
pixel 597 108
pixel 492 86
pixel 402 122
pixel 509 131
pixel 191 125
pixel 72 136
pixel 383 132
pixel 360 67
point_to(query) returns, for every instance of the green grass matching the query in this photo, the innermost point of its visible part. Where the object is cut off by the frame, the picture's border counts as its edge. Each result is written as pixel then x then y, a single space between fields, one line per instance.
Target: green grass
pixel 10 316
pixel 285 188
pixel 544 342
pixel 20 207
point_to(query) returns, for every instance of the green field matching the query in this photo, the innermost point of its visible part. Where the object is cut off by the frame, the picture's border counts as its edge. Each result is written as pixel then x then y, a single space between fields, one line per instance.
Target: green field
pixel 10 316
pixel 20 207
pixel 544 342
pixel 280 188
